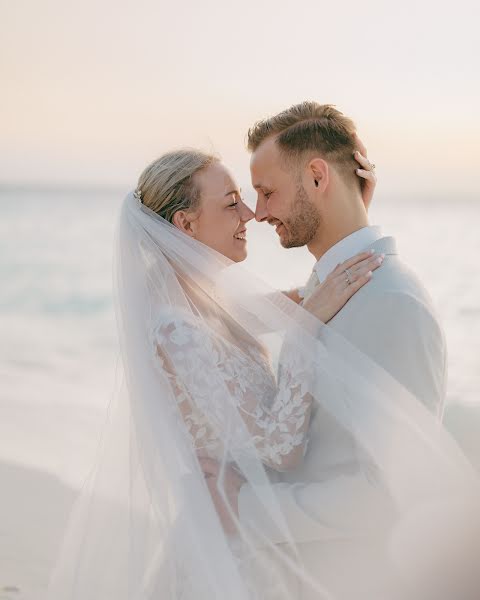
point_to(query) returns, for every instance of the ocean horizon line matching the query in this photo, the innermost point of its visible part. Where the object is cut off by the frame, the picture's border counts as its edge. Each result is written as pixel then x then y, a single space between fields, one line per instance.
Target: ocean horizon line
pixel 385 195
pixel 55 187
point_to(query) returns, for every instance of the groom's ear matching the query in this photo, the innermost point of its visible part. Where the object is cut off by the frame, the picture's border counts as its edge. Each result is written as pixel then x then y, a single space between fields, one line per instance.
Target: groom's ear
pixel 318 174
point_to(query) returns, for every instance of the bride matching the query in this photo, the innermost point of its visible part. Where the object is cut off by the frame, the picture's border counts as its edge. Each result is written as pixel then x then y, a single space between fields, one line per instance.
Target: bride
pixel 217 365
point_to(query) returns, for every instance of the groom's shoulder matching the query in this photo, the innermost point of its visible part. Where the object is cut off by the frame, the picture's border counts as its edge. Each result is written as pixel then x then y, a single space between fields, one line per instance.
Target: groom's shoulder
pixel 395 294
pixel 393 304
pixel 395 276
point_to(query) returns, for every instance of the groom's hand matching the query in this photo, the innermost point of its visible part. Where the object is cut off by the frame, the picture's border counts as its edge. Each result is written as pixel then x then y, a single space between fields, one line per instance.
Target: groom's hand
pixel 224 487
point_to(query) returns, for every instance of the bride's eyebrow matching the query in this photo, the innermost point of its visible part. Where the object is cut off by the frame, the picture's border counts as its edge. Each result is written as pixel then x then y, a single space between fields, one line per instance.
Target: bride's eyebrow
pixel 238 192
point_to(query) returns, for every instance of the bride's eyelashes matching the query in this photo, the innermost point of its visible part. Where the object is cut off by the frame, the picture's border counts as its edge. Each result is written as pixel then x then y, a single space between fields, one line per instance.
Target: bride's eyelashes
pixel 235 203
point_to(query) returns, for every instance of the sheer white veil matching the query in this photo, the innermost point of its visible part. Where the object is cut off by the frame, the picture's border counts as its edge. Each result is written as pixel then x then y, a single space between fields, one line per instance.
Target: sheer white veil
pixel 144 525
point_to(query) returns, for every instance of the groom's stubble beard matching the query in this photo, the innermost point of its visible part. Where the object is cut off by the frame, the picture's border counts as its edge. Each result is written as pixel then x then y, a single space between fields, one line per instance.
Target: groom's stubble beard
pixel 304 221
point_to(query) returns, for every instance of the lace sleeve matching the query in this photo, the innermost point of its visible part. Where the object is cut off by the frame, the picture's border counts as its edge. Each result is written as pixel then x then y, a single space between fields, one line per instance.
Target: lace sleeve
pixel 280 427
pixel 181 353
pixel 210 377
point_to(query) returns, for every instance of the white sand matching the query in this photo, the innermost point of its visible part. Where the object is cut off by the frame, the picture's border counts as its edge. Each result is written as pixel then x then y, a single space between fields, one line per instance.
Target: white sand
pixel 34 507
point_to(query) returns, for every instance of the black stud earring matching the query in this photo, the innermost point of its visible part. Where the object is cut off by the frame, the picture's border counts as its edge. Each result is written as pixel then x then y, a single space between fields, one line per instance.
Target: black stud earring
pixel 316 183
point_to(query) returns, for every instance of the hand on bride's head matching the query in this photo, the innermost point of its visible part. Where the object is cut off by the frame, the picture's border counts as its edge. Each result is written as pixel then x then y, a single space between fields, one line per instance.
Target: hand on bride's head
pixel 366 172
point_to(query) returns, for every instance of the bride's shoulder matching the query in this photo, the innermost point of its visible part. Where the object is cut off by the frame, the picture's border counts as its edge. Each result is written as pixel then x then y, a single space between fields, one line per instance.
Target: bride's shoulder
pixel 173 314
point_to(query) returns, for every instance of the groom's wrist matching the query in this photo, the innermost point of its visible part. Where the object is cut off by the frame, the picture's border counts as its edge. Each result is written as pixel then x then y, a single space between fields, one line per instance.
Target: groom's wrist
pixel 254 515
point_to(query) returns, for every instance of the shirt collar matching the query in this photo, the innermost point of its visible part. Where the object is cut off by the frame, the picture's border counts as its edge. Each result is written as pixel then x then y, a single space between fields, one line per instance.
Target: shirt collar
pixel 354 243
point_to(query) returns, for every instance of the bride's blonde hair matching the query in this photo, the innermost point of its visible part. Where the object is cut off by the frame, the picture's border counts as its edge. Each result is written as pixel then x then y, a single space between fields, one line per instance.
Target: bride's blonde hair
pixel 168 185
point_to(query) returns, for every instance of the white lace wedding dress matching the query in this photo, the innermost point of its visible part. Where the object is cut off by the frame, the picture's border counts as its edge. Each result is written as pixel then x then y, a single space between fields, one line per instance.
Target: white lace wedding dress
pixel 276 415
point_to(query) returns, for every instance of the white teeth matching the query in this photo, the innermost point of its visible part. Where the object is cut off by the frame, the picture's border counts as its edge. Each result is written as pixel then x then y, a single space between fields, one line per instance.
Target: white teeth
pixel 240 237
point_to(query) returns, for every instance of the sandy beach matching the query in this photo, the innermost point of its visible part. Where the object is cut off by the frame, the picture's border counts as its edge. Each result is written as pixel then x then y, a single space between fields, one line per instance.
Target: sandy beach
pixel 34 509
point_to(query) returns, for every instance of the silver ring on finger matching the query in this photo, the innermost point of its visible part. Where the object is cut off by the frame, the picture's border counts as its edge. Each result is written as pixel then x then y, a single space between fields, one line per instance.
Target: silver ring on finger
pixel 349 276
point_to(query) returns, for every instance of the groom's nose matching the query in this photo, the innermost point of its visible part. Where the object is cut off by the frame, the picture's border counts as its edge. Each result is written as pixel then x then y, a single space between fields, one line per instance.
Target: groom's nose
pixel 261 212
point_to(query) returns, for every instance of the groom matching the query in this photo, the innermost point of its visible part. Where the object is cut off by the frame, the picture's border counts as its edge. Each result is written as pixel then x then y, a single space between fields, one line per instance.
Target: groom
pixel 303 169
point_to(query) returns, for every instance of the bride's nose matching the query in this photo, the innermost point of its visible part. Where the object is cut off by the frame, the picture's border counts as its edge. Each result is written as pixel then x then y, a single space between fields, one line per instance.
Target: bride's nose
pixel 245 213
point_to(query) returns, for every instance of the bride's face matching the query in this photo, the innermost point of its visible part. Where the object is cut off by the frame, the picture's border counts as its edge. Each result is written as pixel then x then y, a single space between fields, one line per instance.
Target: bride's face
pixel 221 221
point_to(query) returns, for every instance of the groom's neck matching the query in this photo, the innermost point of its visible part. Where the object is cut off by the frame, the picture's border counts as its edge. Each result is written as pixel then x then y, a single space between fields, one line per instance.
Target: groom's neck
pixel 345 216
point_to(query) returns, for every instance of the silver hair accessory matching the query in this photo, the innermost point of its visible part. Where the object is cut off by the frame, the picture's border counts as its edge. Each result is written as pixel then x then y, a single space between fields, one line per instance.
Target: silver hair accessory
pixel 138 194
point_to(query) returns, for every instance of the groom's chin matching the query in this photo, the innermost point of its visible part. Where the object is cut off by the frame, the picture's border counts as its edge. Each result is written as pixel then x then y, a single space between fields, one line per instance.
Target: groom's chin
pixel 283 237
pixel 289 242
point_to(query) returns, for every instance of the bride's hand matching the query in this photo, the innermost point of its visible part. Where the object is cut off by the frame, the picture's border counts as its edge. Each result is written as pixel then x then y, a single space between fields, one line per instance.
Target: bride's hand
pixel 366 172
pixel 331 295
pixel 227 491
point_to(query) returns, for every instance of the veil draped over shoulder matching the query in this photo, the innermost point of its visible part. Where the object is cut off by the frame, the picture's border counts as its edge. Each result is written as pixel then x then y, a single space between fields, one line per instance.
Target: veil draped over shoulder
pixel 216 364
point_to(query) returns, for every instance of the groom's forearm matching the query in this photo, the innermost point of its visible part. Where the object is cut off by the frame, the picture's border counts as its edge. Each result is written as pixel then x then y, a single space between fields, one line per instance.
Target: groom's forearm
pixel 342 508
pixel 283 522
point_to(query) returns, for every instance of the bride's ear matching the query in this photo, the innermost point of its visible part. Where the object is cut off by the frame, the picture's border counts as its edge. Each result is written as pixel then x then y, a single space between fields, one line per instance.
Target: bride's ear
pixel 182 221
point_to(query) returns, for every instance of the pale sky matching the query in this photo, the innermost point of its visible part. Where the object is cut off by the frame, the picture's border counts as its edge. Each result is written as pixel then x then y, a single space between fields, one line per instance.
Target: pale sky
pixel 94 90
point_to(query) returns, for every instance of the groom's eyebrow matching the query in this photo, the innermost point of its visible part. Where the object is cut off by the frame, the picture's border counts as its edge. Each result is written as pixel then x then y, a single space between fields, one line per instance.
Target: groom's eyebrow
pixel 258 186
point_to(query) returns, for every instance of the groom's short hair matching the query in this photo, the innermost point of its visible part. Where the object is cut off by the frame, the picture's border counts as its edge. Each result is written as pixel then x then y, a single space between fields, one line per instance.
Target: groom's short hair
pixel 310 127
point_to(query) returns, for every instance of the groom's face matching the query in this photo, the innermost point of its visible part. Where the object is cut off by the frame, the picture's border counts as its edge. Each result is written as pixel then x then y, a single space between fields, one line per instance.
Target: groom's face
pixel 282 200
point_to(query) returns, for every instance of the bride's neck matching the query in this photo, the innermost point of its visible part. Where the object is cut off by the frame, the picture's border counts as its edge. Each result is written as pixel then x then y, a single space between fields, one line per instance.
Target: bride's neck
pixel 207 308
